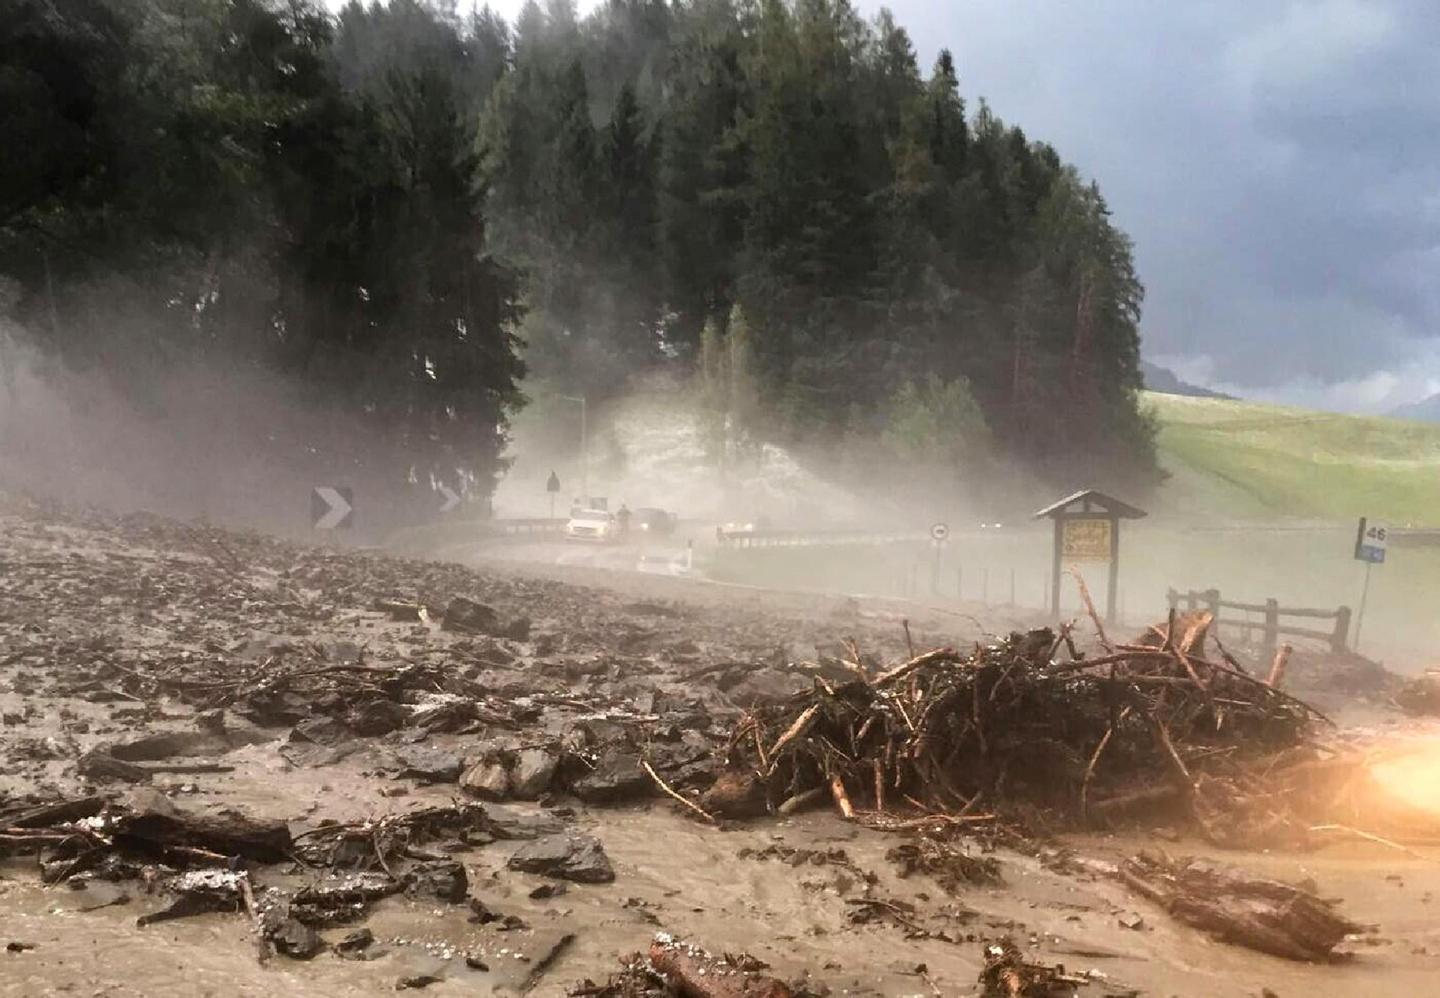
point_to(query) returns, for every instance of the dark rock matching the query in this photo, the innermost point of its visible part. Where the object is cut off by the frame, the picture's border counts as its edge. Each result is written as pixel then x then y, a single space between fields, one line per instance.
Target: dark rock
pixel 297 940
pixel 487 780
pixel 417 981
pixel 506 823
pixel 102 767
pixel 569 856
pixel 468 615
pixel 310 754
pixel 444 879
pixel 617 777
pixel 378 717
pixel 429 764
pixel 355 942
pixel 15 946
pixel 547 891
pixel 445 715
pixel 321 731
pixel 533 772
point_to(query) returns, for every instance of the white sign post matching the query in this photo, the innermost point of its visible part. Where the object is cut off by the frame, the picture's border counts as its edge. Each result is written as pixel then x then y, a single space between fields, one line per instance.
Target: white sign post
pixel 939 533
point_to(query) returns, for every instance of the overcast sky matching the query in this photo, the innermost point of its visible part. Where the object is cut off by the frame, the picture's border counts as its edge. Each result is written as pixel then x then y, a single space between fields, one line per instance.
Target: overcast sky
pixel 1277 163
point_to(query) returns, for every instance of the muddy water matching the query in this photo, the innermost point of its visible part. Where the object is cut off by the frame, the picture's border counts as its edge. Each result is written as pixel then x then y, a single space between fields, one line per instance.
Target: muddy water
pixel 690 879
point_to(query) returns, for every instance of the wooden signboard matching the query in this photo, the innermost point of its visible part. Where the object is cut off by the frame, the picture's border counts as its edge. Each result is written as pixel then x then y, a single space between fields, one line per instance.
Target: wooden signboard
pixel 1087 528
pixel 1086 539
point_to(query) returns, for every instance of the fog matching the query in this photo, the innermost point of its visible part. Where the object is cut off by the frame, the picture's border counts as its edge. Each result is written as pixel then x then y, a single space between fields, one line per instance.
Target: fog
pixel 193 441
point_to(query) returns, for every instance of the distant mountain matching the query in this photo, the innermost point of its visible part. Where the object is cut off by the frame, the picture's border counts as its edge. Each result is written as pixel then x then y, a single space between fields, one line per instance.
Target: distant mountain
pixel 1161 379
pixel 1427 410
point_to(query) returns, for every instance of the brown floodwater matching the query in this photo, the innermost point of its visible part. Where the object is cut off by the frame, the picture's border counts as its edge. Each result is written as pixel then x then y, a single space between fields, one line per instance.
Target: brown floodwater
pixel 689 879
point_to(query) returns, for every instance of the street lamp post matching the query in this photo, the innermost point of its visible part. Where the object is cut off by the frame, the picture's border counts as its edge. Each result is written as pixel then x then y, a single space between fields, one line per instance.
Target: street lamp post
pixel 584 448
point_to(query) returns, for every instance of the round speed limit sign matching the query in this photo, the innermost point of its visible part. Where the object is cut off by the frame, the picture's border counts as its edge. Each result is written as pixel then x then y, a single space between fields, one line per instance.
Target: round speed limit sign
pixel 939 532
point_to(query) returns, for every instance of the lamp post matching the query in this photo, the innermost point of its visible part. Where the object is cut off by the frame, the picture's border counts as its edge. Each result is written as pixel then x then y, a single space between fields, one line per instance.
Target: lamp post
pixel 584 448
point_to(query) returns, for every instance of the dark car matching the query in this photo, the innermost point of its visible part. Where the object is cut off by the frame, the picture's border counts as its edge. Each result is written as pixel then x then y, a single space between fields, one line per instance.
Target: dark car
pixel 652 520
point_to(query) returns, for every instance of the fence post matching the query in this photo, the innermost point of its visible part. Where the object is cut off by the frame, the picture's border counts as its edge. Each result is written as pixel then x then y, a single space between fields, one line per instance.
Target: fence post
pixel 1190 600
pixel 1272 629
pixel 1212 600
pixel 1340 640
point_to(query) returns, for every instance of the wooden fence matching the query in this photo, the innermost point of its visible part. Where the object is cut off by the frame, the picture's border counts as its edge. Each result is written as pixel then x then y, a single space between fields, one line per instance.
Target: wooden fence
pixel 1270 627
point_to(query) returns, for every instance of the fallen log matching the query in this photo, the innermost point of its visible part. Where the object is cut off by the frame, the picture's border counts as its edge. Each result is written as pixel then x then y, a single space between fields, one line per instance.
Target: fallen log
pixel 1260 914
pixel 266 841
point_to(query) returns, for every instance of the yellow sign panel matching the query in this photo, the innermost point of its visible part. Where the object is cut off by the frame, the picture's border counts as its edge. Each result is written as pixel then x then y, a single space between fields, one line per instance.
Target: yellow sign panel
pixel 1086 540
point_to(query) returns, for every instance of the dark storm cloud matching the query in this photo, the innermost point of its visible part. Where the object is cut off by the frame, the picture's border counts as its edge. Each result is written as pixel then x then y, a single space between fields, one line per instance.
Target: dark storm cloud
pixel 1278 165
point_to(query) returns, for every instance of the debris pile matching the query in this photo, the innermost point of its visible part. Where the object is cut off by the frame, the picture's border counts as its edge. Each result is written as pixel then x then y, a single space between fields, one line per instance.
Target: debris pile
pixel 1420 696
pixel 1007 974
pixel 1155 731
pixel 674 968
pixel 207 863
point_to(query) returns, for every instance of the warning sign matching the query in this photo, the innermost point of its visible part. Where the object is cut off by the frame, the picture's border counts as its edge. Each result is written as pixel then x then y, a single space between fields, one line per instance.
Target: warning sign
pixel 1086 539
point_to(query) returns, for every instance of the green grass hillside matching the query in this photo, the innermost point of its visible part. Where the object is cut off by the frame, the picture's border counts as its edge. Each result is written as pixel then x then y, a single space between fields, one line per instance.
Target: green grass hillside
pixel 1245 459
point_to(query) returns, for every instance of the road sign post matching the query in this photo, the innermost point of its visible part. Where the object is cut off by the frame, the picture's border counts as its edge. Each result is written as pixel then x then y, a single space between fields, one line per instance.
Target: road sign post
pixel 1371 541
pixel 939 534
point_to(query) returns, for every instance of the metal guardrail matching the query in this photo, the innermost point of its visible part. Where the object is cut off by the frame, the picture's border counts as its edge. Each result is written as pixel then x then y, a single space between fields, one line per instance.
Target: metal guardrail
pixel 740 539
pixel 1415 537
pixel 526 526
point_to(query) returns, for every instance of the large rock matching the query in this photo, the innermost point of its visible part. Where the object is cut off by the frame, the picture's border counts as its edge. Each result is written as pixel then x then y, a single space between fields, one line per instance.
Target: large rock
pixel 296 940
pixel 486 780
pixel 568 856
pixel 470 616
pixel 534 769
pixel 616 777
pixel 429 764
pixel 378 717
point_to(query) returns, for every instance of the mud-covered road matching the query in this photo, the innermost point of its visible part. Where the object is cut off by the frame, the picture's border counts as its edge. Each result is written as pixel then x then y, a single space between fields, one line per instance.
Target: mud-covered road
pixel 177 669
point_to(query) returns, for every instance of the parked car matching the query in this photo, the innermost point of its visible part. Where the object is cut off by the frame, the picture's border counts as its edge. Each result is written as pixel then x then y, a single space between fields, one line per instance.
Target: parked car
pixel 592 525
pixel 653 520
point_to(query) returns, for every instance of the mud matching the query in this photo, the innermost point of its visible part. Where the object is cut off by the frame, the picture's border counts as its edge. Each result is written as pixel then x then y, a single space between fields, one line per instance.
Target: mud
pixel 87 599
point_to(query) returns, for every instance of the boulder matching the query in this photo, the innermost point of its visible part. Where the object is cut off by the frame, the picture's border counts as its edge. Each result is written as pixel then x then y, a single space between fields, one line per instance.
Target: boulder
pixel 486 780
pixel 533 772
pixel 616 777
pixel 567 856
pixel 429 764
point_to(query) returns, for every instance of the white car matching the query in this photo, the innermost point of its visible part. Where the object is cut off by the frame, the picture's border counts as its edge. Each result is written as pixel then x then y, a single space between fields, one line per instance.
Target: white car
pixel 592 525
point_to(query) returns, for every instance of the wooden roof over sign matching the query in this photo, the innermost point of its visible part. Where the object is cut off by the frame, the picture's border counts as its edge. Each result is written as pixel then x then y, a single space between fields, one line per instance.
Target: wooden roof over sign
pixel 1091 502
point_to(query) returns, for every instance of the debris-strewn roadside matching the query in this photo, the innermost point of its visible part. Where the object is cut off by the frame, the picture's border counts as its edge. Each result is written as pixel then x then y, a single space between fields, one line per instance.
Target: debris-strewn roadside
pixel 170 691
